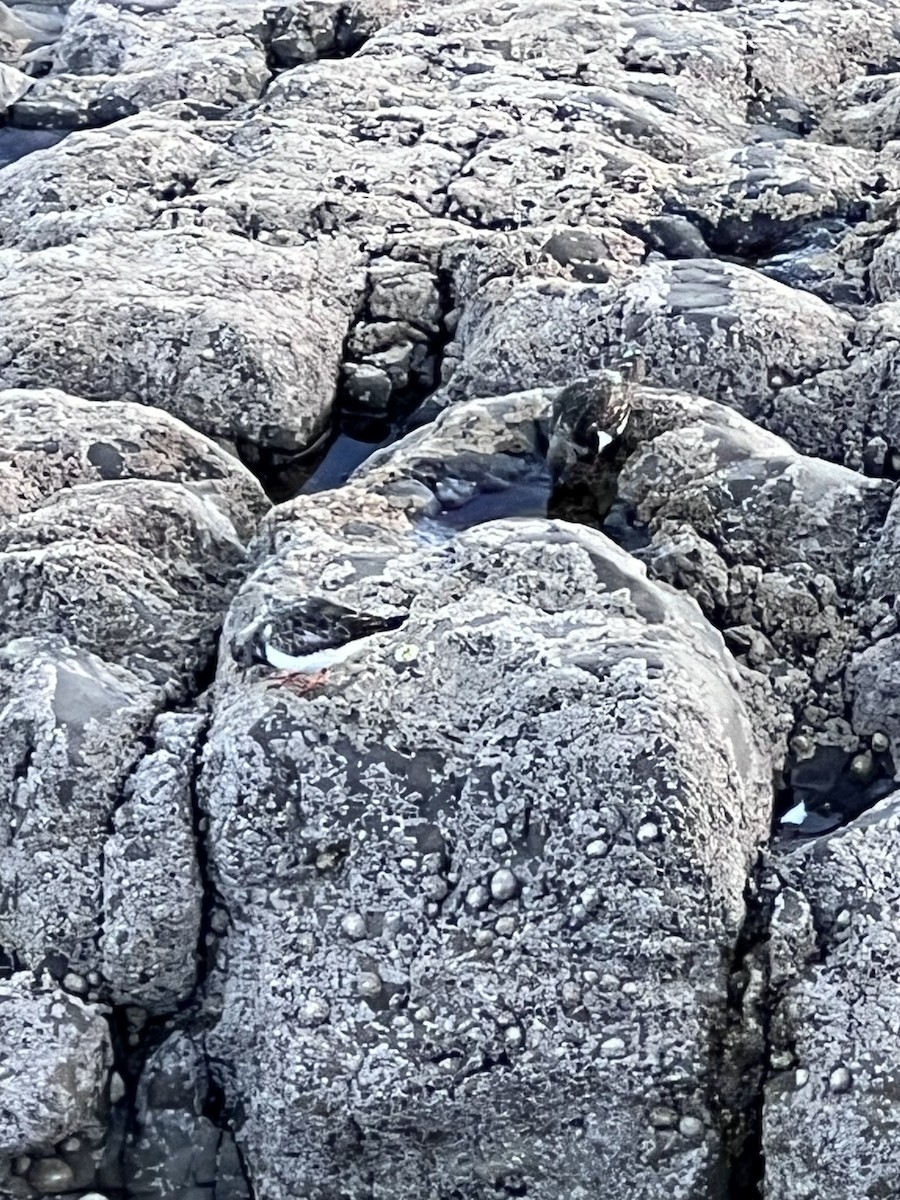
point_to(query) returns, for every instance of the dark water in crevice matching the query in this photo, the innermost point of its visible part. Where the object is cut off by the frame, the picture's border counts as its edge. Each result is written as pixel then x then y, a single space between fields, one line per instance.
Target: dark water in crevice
pixel 832 789
pixel 16 143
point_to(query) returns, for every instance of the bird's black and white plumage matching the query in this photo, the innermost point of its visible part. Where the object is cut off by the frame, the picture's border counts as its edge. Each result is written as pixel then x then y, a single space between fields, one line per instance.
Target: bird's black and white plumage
pixel 311 635
pixel 589 420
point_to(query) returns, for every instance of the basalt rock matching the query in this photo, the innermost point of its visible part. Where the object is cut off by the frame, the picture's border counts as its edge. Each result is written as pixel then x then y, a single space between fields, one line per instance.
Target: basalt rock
pixel 474 792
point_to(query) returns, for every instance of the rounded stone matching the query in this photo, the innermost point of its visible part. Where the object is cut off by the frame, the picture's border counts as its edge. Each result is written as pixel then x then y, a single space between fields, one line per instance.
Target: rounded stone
pixel 595 848
pixel 690 1127
pixel 862 765
pixel 504 885
pixel 648 832
pixel 840 1080
pixel 354 926
pixel 478 897
pixel 369 984
pixel 505 926
pixel 613 1047
pixel 880 742
pixel 434 887
pixel 499 839
pixel 51 1175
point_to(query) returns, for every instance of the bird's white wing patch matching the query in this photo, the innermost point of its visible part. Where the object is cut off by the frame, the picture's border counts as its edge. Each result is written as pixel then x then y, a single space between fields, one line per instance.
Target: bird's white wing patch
pixel 796 815
pixel 286 662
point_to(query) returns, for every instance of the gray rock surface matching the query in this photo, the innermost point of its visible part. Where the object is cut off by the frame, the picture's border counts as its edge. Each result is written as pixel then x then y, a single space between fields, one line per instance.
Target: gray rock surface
pixel 571 978
pixel 421 912
pixel 240 341
pixel 830 1113
pixel 53 1083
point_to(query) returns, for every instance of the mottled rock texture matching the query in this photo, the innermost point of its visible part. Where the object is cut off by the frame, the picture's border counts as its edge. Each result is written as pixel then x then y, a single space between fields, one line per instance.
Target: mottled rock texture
pixel 420 864
pixel 479 912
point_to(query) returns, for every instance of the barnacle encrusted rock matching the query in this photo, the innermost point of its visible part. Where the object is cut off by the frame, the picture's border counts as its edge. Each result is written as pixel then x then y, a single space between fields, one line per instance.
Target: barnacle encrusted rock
pixel 558 703
pixel 57 1054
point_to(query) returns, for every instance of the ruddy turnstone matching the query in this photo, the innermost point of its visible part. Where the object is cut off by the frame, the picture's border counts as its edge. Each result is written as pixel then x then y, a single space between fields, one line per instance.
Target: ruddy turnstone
pixel 310 638
pixel 590 418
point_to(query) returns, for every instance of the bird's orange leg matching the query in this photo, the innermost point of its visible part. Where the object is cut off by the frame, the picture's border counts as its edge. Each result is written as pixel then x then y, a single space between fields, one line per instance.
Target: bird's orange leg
pixel 298 682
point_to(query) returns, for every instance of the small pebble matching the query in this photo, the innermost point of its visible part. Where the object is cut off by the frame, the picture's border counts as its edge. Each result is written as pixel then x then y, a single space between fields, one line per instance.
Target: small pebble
pixel 51 1175
pixel 648 832
pixel 595 848
pixel 513 1036
pixel 116 1088
pixel 314 1011
pixel 70 1145
pixel 690 1127
pixel 802 746
pixel 505 926
pixel 434 887
pixel 406 653
pixel 801 1077
pixel 354 926
pixel 499 839
pixel 75 983
pixel 504 885
pixel 21 1164
pixel 663 1118
pixel 369 984
pixel 862 765
pixel 483 938
pixel 880 742
pixel 840 1080
pixel 478 897
pixel 613 1047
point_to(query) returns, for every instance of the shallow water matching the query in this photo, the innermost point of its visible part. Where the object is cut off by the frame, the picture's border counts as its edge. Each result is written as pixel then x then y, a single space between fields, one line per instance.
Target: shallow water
pixel 17 143
pixel 341 459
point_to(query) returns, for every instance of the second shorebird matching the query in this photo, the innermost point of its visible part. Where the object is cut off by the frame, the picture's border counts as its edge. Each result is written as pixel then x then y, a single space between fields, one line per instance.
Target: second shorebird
pixel 312 637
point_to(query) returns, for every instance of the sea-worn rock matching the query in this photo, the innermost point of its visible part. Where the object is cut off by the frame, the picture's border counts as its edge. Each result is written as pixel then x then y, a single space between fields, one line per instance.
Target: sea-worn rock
pixel 152 890
pixel 57 1054
pixel 113 58
pixel 498 790
pixel 72 730
pixel 179 1152
pixel 136 572
pixel 51 441
pixel 237 339
pixel 830 1120
pixel 720 330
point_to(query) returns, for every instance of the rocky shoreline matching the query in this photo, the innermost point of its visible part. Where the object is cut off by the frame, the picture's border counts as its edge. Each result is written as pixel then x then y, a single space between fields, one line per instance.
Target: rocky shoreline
pixel 448 580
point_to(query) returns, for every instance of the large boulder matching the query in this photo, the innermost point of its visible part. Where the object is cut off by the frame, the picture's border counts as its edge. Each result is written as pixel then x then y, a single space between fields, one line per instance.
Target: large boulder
pixel 454 957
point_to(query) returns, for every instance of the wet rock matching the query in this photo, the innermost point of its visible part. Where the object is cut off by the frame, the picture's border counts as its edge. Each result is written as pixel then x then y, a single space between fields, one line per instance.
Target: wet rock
pixel 774 546
pixel 530 635
pixel 51 1085
pixel 829 1115
pixel 179 1152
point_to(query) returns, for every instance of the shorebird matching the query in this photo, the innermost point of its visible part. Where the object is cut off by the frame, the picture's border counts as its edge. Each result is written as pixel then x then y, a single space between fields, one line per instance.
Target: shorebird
pixel 311 638
pixel 585 454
